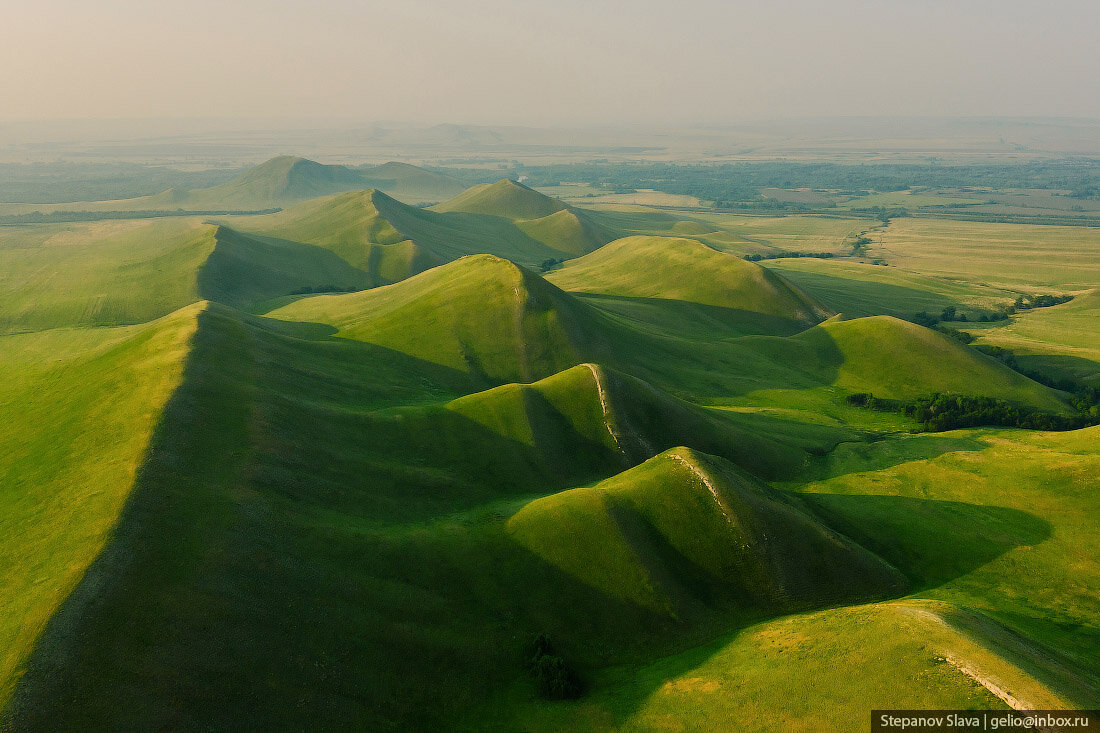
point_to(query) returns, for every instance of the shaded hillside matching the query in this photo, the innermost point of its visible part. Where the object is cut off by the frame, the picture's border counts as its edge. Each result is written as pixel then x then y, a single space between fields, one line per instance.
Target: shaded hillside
pixel 685 528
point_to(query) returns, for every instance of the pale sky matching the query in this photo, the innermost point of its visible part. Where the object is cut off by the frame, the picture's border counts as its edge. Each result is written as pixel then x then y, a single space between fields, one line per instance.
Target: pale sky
pixel 548 62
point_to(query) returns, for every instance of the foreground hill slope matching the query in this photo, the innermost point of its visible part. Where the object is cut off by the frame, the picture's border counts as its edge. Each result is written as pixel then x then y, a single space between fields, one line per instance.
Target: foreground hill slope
pixel 78 410
pixel 685 526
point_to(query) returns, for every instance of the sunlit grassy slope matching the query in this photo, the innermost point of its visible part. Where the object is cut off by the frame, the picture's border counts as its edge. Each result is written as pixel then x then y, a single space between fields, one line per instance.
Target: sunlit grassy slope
pixel 77 412
pixel 685 528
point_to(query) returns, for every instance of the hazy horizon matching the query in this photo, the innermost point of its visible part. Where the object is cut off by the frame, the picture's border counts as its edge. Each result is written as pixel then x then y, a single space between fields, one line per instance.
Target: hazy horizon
pixel 561 64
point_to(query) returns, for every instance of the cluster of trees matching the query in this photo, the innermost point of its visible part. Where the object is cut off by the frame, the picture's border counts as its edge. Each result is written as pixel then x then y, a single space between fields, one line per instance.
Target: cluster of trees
pixel 554 678
pixel 1022 303
pixel 324 289
pixel 550 264
pixel 1084 398
pixel 939 412
pixel 756 257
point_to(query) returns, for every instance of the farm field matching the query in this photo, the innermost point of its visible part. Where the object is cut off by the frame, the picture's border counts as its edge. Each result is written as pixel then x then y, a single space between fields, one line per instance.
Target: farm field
pixel 511 461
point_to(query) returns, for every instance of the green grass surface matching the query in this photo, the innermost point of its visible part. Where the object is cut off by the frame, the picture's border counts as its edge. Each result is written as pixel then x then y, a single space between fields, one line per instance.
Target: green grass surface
pixel 1062 341
pixel 688 271
pixel 856 289
pixel 132 274
pixel 77 413
pixel 1035 258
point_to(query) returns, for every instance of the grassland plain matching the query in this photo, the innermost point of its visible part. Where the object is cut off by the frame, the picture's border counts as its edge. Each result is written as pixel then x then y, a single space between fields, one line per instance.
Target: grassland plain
pixel 857 289
pixel 999 255
pixel 379 475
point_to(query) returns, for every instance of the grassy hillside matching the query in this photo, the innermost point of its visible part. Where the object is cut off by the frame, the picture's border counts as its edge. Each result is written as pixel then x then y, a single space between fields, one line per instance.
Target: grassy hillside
pixel 78 409
pixel 409 183
pixel 127 274
pixel 505 198
pixel 569 230
pixel 900 360
pixel 363 225
pixel 688 271
pixel 685 528
pixel 481 314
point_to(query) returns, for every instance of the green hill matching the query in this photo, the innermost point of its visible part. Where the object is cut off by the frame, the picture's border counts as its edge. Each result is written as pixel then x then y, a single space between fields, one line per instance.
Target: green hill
pixel 505 198
pixel 124 274
pixel 361 227
pixel 481 314
pixel 277 182
pixel 687 270
pixel 684 527
pixel 617 418
pixel 569 230
pixel 410 183
pixel 901 360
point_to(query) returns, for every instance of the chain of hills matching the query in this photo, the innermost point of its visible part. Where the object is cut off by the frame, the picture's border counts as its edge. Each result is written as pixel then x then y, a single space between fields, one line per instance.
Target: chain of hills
pixel 339 465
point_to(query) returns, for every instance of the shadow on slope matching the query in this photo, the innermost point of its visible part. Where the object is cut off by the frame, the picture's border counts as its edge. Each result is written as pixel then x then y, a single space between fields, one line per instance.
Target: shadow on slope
pixel 932 542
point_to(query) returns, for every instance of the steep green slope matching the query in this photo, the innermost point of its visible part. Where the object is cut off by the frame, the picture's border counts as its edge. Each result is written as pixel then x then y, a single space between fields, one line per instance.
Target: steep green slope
pixel 505 198
pixel 617 418
pixel 362 225
pixel 481 314
pixel 132 272
pixel 77 413
pixel 685 527
pixel 689 271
